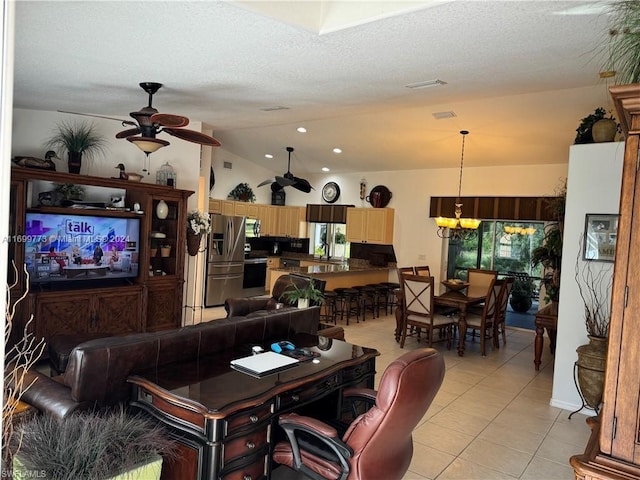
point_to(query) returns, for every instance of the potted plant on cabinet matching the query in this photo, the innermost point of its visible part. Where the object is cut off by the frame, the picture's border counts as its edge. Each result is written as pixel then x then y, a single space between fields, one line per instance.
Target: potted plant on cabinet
pixel 303 295
pixel 77 139
pixel 596 127
pixel 97 445
pixel 242 192
pixel 594 285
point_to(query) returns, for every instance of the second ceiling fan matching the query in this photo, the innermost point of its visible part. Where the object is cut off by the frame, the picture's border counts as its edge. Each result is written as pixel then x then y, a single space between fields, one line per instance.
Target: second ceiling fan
pixel 288 180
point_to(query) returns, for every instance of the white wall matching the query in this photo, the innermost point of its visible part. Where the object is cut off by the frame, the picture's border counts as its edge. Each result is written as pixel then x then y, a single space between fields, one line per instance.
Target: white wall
pixel 595 176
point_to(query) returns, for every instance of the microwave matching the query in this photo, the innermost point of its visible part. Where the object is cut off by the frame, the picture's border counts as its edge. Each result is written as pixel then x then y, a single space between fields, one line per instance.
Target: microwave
pixel 252 228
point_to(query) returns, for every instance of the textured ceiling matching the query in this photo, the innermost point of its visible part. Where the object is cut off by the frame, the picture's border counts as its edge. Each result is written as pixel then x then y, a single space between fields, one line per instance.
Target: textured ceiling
pixel 519 75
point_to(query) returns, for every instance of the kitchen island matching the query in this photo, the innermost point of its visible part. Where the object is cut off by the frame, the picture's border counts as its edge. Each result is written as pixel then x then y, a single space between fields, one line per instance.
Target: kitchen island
pixel 337 275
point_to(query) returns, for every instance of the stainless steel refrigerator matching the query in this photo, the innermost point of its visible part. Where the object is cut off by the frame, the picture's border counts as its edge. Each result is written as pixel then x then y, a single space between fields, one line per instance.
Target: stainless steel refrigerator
pixel 225 260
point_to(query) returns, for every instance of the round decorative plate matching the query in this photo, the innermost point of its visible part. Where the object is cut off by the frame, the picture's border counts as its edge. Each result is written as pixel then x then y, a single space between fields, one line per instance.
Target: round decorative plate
pixel 330 192
pixel 379 196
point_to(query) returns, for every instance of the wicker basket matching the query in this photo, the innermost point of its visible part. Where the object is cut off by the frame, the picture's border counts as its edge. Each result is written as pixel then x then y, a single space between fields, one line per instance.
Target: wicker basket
pixel 193 242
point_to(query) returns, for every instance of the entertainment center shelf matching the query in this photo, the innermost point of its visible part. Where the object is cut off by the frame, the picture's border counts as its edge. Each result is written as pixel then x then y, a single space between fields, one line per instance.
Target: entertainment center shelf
pixel 134 283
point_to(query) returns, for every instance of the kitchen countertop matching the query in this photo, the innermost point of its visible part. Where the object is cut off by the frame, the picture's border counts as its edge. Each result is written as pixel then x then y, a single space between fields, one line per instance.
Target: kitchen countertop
pixel 330 268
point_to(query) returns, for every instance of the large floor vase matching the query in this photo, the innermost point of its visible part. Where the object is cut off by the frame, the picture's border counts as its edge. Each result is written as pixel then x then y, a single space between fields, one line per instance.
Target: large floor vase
pixel 591 364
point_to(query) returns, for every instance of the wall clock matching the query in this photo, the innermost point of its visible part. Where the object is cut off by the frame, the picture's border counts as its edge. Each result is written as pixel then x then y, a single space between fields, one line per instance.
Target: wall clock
pixel 330 192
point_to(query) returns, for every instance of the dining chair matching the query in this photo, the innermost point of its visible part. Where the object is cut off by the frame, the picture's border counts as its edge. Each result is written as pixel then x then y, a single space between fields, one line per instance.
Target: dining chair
pixel 480 279
pixel 419 311
pixel 378 443
pixel 422 270
pixel 405 271
pixel 484 322
pixel 500 324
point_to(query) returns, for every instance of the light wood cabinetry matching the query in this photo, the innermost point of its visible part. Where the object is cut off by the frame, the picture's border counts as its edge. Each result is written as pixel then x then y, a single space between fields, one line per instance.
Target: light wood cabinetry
pixel 370 225
pixel 290 220
pixel 272 263
pixel 150 301
pixel 613 452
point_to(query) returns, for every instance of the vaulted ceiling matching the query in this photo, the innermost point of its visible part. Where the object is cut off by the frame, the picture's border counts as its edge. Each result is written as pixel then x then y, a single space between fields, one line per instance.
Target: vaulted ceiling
pixel 519 75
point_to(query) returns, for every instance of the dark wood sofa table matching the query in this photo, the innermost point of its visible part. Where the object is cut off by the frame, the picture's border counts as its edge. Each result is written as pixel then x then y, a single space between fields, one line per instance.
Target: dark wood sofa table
pixel 546 318
pixel 225 421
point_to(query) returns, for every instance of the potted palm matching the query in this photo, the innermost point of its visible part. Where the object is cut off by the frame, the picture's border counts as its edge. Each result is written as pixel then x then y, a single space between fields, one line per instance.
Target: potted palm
pixel 302 295
pixel 97 445
pixel 77 139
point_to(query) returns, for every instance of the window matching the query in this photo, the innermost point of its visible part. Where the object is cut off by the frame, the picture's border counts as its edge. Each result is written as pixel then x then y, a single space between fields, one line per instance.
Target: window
pixel 330 240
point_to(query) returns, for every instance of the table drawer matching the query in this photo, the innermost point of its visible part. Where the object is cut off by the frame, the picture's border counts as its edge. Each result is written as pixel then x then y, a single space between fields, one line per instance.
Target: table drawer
pixel 253 471
pixel 245 445
pixel 311 392
pixel 357 373
pixel 248 418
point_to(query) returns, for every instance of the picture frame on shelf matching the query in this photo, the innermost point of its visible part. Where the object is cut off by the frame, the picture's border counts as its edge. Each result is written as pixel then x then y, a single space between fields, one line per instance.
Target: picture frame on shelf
pixel 600 235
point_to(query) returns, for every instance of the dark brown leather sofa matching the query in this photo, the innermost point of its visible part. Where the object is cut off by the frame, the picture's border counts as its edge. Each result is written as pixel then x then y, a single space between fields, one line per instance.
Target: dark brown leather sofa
pixel 97 371
pixel 252 307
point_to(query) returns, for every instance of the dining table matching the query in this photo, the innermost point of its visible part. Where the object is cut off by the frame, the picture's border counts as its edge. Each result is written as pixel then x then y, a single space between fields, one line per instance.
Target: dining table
pixel 462 300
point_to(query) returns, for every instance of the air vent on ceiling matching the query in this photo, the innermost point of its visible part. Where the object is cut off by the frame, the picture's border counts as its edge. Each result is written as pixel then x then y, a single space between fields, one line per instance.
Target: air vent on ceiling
pixel 274 108
pixel 428 83
pixel 228 165
pixel 442 115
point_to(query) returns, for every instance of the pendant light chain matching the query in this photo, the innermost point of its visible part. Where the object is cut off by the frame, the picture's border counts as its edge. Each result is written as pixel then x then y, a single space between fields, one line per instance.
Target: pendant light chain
pixel 464 134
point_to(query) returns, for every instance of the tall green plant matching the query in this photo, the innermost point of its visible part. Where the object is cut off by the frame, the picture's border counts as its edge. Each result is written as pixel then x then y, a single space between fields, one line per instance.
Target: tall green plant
pixel 78 137
pixel 623 52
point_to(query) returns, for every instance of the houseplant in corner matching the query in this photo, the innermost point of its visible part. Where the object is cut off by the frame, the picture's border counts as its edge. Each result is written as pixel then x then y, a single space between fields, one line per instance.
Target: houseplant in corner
pixel 198 225
pixel 77 139
pixel 303 296
pixel 594 285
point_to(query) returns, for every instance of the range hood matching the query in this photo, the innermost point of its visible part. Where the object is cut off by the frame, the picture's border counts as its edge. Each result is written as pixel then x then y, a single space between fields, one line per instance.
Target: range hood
pixel 322 213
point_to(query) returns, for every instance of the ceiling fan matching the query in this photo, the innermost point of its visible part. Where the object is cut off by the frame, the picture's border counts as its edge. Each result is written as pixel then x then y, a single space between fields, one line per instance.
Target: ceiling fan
pixel 288 179
pixel 149 122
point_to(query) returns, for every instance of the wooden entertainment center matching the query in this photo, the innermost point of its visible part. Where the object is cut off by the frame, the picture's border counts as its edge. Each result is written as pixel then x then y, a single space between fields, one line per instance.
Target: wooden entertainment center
pixel 149 302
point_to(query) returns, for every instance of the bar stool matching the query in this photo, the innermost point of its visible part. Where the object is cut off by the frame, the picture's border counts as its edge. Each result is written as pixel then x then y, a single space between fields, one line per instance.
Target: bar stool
pixel 329 307
pixel 392 301
pixel 367 299
pixel 382 296
pixel 349 303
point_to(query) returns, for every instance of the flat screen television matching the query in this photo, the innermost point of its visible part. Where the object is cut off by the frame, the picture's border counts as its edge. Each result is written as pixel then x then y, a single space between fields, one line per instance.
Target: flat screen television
pixel 62 247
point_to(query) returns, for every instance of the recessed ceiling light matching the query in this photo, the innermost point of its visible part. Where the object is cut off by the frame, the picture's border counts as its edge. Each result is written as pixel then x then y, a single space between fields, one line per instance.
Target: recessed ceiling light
pixel 268 155
pixel 325 169
pixel 302 130
pixel 425 84
pixel 337 150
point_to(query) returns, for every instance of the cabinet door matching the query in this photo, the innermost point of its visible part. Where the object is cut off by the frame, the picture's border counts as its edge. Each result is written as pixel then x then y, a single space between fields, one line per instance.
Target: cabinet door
pixel 228 207
pixel 272 220
pixel 164 302
pixel 356 219
pixel 62 314
pixel 163 251
pixel 240 209
pixel 215 206
pixel 253 210
pixel 118 311
pixel 379 225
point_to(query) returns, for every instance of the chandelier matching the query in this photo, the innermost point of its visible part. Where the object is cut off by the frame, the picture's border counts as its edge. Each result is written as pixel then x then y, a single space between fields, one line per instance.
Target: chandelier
pixel 458 227
pixel 511 230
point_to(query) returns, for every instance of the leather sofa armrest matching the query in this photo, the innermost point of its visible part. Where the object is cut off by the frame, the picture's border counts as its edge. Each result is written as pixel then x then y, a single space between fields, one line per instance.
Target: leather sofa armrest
pixel 239 307
pixel 50 396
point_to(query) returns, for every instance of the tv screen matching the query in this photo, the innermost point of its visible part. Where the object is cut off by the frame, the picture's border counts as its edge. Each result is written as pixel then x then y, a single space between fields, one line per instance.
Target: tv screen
pixel 65 247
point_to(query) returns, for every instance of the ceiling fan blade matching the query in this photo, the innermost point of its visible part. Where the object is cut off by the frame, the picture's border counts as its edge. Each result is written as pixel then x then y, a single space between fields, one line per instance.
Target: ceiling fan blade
pixel 275 187
pixel 128 133
pixel 124 122
pixel 266 182
pixel 169 120
pixel 302 185
pixel 284 181
pixel 192 136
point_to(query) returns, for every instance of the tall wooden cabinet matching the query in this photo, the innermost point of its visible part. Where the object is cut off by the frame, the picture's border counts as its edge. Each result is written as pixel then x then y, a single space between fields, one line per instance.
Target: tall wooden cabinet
pixel 613 452
pixel 370 225
pixel 151 301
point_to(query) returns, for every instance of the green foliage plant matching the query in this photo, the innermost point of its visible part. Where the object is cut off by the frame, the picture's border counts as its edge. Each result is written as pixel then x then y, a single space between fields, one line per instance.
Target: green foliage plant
pixel 71 191
pixel 242 192
pixel 623 47
pixel 294 293
pixel 583 132
pixel 80 137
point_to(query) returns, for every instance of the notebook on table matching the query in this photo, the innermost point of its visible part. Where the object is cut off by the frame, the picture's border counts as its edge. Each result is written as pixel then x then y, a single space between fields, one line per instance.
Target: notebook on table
pixel 263 364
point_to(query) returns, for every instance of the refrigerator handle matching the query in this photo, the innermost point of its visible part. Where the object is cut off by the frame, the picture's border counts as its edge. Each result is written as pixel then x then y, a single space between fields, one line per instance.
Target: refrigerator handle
pixel 229 232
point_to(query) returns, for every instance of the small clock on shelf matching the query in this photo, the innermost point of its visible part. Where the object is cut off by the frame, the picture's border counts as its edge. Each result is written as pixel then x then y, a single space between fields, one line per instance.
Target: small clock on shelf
pixel 330 192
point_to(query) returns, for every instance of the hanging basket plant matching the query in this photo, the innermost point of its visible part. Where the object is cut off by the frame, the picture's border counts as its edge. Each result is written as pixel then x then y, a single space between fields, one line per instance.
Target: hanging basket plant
pixel 198 224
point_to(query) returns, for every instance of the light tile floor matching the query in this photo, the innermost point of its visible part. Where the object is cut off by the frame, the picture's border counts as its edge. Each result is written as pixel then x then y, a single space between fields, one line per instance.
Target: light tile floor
pixel 491 418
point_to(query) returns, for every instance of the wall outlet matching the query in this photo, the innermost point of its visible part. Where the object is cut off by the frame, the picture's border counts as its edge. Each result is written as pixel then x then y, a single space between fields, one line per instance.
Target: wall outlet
pixel 422 257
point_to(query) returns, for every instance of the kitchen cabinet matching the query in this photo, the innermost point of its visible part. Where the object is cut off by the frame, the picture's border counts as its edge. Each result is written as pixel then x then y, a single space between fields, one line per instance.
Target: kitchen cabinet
pixel 272 263
pixel 268 215
pixel 215 206
pixel 613 451
pixel 370 225
pixel 253 210
pixel 291 222
pixel 228 207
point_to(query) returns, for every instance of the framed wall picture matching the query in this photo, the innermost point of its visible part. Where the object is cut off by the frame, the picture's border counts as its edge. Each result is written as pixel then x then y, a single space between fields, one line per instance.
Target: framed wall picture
pixel 600 232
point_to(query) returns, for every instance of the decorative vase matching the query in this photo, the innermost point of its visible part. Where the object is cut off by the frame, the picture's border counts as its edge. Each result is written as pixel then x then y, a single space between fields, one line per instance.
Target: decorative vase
pixel 193 242
pixel 604 130
pixel 75 162
pixel 303 303
pixel 165 251
pixel 162 210
pixel 591 365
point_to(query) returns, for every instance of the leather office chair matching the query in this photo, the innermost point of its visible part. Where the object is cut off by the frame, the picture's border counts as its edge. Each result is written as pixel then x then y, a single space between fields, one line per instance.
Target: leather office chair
pixel 484 322
pixel 378 443
pixel 499 326
pixel 419 311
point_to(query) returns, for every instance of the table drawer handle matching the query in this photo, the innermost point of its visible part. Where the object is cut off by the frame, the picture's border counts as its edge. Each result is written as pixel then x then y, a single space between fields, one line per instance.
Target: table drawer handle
pixel 295 398
pixel 246 477
pixel 250 445
pixel 254 418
